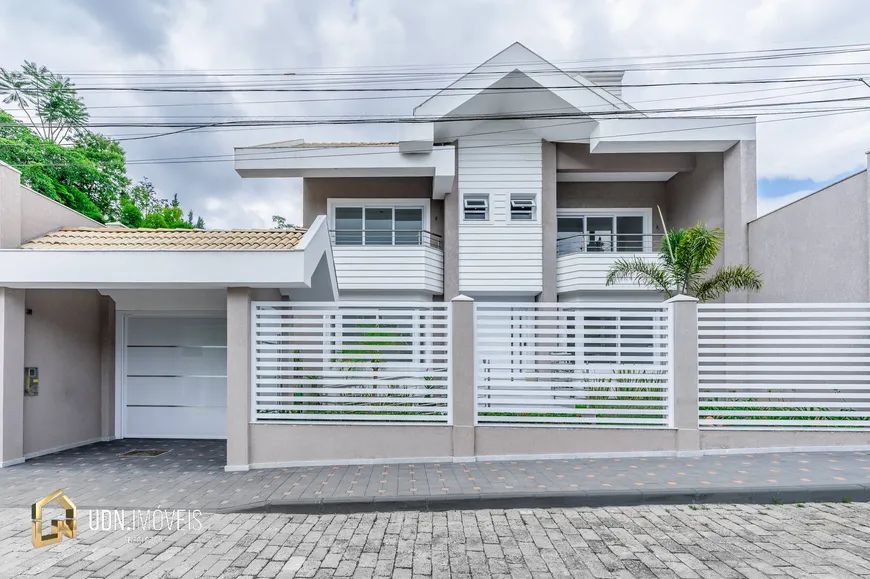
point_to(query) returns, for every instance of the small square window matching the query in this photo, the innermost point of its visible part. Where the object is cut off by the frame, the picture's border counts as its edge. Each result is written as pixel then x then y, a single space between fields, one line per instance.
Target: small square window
pixel 522 207
pixel 475 207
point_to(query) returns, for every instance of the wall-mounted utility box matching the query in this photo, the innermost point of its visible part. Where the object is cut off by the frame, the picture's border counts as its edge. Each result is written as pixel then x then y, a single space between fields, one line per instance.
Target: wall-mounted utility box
pixel 31 381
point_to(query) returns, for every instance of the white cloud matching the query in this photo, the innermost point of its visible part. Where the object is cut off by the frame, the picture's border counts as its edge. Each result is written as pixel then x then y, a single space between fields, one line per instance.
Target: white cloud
pixel 152 35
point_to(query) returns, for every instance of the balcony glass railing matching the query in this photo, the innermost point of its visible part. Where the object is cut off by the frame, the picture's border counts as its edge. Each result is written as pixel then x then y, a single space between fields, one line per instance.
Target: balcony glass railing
pixel 608 243
pixel 385 237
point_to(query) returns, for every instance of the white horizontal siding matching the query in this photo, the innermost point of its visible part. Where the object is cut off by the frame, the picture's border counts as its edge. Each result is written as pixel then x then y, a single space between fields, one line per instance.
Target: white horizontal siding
pixel 588 271
pixel 500 256
pixel 389 268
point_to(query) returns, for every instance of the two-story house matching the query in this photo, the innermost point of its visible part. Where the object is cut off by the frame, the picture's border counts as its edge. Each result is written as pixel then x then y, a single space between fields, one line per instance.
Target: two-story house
pixel 520 181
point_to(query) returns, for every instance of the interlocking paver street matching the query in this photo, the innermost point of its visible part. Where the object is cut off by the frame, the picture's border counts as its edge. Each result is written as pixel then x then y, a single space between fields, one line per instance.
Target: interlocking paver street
pixel 191 476
pixel 708 541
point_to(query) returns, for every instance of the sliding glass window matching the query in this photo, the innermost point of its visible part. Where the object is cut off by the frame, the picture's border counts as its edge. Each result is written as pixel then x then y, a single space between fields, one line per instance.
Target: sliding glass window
pixel 378 225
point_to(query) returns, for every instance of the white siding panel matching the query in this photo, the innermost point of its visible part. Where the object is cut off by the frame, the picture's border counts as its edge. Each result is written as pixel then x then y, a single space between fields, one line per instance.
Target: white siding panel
pixel 588 271
pixel 500 256
pixel 389 268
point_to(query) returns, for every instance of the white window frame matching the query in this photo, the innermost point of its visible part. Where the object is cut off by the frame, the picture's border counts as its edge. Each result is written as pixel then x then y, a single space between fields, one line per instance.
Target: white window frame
pixel 644 212
pixel 364 202
pixel 533 209
pixel 487 212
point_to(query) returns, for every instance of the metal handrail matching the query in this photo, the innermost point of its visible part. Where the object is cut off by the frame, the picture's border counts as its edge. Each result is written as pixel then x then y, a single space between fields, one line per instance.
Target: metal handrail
pixel 385 237
pixel 609 243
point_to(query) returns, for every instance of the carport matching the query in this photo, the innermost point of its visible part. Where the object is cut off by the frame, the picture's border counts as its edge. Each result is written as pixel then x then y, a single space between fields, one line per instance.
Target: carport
pixel 126 330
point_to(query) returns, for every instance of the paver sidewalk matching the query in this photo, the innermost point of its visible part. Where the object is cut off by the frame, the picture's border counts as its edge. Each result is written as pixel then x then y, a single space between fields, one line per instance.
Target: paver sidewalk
pixel 821 541
pixel 191 476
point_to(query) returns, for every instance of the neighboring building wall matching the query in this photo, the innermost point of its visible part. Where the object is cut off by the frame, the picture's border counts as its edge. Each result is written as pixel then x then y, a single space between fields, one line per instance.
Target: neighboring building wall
pixel 500 256
pixel 40 215
pixel 62 339
pixel 316 192
pixel 815 249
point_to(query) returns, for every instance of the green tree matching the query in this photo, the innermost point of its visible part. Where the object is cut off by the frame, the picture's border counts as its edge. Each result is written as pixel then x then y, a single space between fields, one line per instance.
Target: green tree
pixel 143 207
pixel 60 173
pixel 130 215
pixel 110 159
pixel 50 102
pixel 281 223
pixel 61 159
pixel 681 268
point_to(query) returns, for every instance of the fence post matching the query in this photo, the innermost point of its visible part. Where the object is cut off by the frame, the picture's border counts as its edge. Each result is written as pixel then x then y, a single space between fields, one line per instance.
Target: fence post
pixel 684 371
pixel 463 377
pixel 239 385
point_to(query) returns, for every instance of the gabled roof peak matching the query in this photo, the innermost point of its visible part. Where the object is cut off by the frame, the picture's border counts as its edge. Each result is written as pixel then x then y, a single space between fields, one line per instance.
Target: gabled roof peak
pixel 577 91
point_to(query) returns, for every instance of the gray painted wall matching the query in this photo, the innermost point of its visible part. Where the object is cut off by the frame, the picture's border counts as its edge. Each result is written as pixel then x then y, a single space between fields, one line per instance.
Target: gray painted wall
pixel 40 215
pixel 549 202
pixel 451 236
pixel 10 207
pixel 639 195
pixel 11 374
pixel 815 249
pixel 279 444
pixel 316 191
pixel 62 339
pixel 697 195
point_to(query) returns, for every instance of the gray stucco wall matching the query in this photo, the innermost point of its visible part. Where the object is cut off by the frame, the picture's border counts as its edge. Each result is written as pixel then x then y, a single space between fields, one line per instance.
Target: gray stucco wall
pixel 279 444
pixel 451 236
pixel 62 339
pixel 638 195
pixel 815 249
pixel 315 193
pixel 40 215
pixel 697 196
pixel 549 189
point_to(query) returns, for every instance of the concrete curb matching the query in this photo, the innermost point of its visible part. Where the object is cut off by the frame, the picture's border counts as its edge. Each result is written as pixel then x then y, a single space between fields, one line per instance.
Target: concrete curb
pixel 596 498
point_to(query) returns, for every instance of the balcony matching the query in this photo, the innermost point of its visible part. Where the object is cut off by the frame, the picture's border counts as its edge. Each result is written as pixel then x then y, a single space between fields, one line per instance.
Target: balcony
pixel 385 260
pixel 583 260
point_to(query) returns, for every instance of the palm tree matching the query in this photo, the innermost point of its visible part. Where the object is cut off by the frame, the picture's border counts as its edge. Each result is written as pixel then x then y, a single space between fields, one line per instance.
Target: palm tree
pixel 681 268
pixel 52 99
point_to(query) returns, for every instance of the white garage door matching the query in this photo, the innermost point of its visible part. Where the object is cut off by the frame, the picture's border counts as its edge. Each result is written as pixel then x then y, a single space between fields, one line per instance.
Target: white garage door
pixel 175 377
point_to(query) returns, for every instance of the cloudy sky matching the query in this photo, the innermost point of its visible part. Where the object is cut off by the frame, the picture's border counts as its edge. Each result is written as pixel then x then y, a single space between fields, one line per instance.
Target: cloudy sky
pixel 82 37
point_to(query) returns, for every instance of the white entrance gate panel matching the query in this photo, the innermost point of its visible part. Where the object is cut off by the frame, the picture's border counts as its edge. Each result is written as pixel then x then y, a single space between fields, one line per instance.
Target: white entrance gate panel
pixel 574 364
pixel 175 377
pixel 351 362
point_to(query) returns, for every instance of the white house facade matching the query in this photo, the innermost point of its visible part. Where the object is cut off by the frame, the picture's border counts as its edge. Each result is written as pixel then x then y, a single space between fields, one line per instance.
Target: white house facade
pixel 357 336
pixel 518 182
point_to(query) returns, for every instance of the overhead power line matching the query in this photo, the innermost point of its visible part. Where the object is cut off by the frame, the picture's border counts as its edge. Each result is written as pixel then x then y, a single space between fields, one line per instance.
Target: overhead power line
pixel 356 89
pixel 613 62
pixel 257 155
pixel 309 120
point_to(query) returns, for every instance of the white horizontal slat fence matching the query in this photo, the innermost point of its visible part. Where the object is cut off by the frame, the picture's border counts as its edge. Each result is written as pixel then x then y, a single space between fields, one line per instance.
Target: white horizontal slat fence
pixel 784 366
pixel 591 365
pixel 351 362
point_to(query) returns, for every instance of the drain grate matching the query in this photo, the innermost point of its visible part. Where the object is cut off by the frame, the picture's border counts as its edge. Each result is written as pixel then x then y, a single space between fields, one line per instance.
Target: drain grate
pixel 146 452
